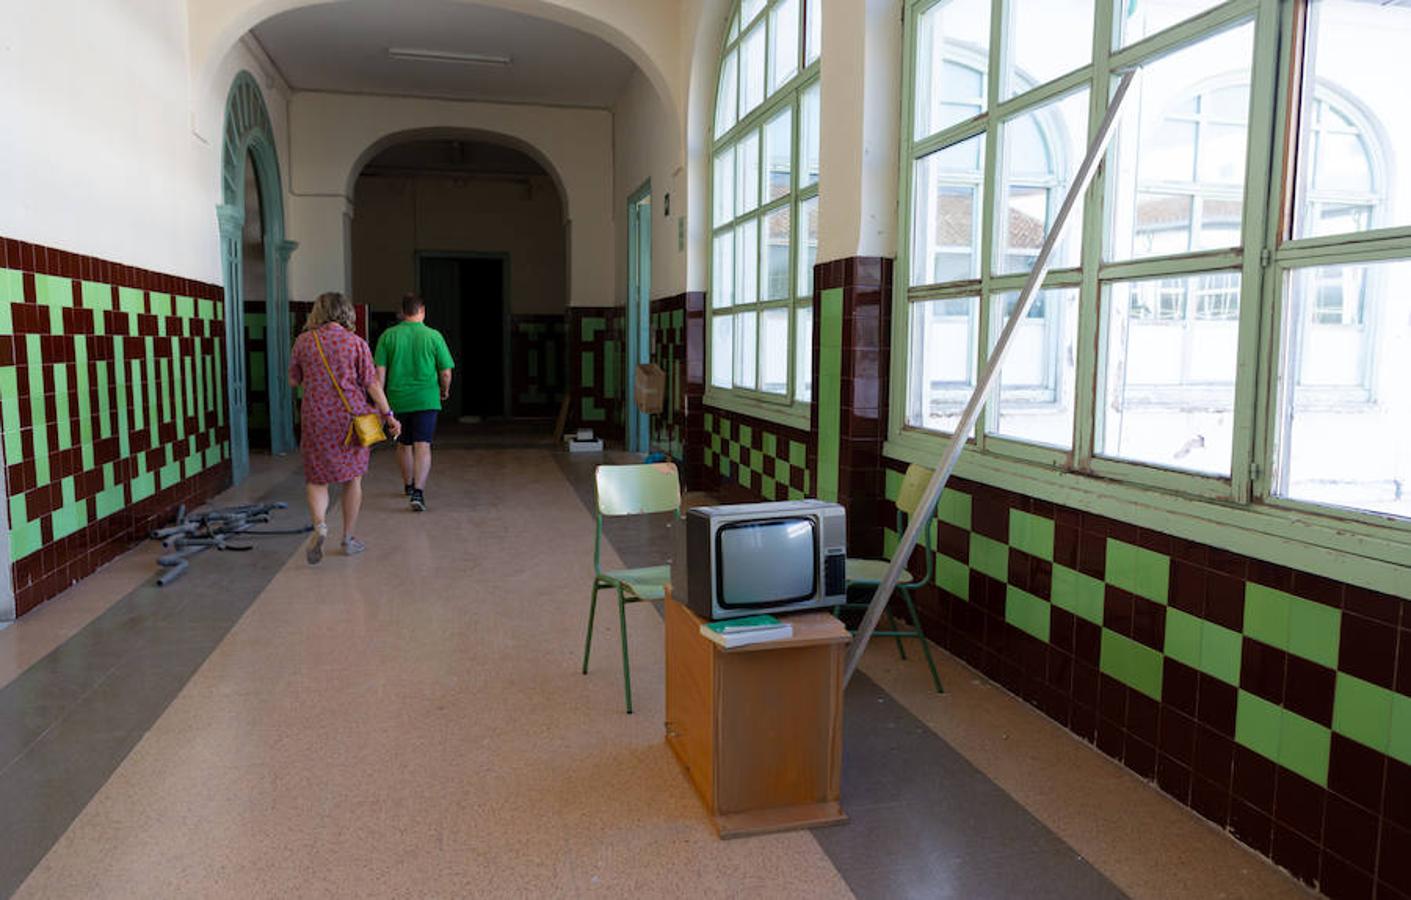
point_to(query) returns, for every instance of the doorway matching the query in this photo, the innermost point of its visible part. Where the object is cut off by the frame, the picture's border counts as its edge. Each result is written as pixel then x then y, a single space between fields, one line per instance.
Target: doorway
pixel 639 310
pixel 466 296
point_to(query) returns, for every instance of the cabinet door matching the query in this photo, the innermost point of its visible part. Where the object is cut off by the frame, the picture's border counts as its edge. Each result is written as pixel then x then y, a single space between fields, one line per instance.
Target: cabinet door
pixel 689 698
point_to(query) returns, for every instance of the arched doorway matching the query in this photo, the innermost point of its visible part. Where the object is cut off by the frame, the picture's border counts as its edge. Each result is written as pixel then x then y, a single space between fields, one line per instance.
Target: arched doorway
pixel 251 189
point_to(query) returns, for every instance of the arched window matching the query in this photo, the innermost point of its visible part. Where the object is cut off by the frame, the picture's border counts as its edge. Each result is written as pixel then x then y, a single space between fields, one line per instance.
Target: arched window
pixel 764 209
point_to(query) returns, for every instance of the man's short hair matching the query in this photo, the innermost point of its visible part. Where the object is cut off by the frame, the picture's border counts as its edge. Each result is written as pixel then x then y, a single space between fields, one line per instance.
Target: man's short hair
pixel 411 305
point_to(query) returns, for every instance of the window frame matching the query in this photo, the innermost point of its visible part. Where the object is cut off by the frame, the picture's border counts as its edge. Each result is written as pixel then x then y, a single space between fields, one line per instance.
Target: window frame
pixel 785 408
pixel 1240 511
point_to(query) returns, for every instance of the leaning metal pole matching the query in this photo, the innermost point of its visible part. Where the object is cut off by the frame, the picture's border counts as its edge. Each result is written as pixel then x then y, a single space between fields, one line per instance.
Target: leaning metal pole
pixel 971 413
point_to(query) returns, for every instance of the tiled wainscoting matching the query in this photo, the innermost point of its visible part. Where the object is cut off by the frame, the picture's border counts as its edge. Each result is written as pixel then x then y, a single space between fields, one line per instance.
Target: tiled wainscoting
pixel 112 398
pixel 669 351
pixel 1274 703
pixel 538 351
pixel 596 358
pixel 768 460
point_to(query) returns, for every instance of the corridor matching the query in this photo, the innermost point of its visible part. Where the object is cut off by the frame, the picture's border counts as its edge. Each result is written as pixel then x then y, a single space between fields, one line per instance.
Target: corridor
pixel 411 722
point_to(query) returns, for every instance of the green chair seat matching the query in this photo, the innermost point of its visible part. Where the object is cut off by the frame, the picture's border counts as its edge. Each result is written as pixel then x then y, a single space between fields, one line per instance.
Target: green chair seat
pixel 644 584
pixel 870 571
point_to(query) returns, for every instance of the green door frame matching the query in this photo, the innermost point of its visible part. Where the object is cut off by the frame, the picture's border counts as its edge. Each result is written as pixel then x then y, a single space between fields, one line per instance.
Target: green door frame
pixel 506 303
pixel 248 132
pixel 639 310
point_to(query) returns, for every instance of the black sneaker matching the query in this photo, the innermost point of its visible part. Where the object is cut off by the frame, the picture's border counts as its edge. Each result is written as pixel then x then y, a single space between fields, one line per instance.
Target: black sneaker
pixel 418 500
pixel 407 489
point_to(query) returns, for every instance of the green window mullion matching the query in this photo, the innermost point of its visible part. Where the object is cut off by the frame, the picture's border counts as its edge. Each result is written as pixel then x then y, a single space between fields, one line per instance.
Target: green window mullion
pixel 990 195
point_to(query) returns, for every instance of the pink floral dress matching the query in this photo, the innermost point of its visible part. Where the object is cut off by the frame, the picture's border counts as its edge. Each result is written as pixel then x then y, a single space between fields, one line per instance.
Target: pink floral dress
pixel 324 420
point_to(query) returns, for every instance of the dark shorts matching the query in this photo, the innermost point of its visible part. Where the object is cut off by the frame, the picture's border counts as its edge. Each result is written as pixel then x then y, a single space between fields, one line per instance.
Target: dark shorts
pixel 417 427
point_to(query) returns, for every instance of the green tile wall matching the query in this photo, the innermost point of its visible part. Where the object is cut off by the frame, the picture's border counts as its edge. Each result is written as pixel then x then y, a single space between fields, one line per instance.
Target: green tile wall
pixel 112 403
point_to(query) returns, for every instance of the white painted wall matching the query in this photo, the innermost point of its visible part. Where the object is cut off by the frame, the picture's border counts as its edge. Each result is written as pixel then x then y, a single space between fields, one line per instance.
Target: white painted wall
pixel 646 145
pixel 334 135
pixel 106 152
pixel 397 217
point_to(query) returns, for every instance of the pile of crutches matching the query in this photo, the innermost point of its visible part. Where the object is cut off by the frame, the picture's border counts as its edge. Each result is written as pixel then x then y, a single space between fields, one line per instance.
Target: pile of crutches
pixel 198 532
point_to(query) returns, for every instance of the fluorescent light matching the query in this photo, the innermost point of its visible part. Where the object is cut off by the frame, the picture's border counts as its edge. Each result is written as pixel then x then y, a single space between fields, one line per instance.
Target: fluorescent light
pixel 447 56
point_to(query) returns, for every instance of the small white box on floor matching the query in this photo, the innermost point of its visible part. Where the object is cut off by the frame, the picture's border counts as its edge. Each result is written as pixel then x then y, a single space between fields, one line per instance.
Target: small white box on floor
pixel 594 446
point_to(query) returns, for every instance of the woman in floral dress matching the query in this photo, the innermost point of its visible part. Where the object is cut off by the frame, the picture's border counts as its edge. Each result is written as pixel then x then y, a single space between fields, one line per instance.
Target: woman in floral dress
pixel 329 457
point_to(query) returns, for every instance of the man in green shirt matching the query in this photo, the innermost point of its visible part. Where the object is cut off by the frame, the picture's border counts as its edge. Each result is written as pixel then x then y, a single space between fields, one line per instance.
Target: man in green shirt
pixel 414 366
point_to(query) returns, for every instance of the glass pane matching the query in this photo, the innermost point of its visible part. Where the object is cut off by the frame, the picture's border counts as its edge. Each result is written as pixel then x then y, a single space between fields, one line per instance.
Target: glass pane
pixel 808 246
pixel 747 173
pixel 945 214
pixel 778 227
pixel 734 29
pixel 952 55
pixel 813 35
pixel 1140 18
pixel 774 351
pixel 723 186
pixel 746 349
pixel 1354 120
pixel 1048 38
pixel 722 271
pixel 722 351
pixel 725 95
pixel 1035 401
pixel 808 137
pixel 942 361
pixel 1169 395
pixel 778 149
pixel 1345 407
pixel 784 54
pixel 1042 151
pixel 803 353
pixel 752 50
pixel 747 262
pixel 1177 167
pixel 749 9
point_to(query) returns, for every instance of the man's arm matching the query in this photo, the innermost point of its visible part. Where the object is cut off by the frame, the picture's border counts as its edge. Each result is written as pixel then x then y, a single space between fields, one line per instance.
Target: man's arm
pixel 445 376
pixel 382 377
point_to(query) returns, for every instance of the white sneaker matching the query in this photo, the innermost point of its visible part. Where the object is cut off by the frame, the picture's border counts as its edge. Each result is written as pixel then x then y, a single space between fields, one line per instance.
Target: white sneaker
pixel 314 553
pixel 352 546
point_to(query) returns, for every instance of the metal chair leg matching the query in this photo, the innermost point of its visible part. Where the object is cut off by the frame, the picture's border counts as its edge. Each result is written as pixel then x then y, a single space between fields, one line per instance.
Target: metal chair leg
pixel 592 609
pixel 626 667
pixel 921 636
pixel 892 626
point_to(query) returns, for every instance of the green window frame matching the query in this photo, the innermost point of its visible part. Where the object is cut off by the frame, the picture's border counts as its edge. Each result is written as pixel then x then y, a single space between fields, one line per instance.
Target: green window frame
pixel 1190 288
pixel 764 220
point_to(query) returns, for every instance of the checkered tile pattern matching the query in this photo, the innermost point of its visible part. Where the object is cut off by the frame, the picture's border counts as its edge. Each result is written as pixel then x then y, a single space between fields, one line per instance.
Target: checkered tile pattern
pixel 669 351
pixel 537 351
pixel 1275 704
pixel 767 460
pixel 112 397
pixel 596 359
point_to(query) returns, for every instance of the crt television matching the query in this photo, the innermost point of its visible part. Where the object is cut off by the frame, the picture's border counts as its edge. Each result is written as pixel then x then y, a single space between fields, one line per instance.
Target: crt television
pixel 750 558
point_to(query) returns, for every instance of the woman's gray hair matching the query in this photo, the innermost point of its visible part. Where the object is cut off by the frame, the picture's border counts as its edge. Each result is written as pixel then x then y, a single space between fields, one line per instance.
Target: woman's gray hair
pixel 332 307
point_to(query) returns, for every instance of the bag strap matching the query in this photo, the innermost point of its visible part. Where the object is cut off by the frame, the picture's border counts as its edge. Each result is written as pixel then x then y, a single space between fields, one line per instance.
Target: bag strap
pixel 329 369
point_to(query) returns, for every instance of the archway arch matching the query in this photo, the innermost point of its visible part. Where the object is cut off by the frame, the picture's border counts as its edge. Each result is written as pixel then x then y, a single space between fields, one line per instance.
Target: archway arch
pixel 248 134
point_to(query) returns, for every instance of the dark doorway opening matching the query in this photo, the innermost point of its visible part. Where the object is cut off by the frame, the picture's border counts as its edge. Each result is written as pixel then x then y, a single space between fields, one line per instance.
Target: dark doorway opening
pixel 466 302
pixel 258 340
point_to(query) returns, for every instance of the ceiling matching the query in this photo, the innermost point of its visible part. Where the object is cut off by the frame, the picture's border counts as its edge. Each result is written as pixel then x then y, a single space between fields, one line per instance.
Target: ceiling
pixel 343 47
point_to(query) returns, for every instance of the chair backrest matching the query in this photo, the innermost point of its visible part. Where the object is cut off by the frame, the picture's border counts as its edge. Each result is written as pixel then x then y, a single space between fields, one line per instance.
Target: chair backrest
pixel 913 488
pixel 637 489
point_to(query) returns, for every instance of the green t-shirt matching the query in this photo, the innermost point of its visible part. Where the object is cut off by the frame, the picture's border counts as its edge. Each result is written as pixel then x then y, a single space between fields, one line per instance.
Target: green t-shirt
pixel 414 354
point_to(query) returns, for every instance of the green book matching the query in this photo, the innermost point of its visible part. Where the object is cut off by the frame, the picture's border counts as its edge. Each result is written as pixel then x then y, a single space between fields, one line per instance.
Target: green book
pixel 745 623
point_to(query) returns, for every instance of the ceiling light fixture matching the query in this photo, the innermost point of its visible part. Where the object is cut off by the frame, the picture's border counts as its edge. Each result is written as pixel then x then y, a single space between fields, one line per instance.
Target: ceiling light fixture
pixel 447 56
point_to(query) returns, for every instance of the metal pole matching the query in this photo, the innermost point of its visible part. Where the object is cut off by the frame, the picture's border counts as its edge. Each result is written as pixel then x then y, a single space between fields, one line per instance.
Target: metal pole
pixel 980 396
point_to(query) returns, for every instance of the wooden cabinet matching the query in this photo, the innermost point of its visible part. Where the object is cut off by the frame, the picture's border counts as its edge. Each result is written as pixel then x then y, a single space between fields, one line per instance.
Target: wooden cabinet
pixel 759 729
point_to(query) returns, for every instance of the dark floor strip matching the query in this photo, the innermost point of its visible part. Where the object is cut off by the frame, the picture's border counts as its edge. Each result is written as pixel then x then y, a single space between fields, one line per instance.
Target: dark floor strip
pixel 68 721
pixel 923 821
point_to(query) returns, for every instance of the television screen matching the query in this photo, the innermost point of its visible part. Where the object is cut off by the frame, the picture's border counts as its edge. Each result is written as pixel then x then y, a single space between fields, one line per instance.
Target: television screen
pixel 768 562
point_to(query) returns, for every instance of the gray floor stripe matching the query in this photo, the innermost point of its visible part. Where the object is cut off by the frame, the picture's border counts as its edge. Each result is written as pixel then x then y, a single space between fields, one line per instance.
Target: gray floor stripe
pixel 68 721
pixel 923 821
